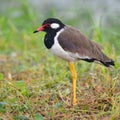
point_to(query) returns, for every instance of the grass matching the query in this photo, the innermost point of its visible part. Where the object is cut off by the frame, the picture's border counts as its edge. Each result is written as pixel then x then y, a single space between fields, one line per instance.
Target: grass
pixel 37 85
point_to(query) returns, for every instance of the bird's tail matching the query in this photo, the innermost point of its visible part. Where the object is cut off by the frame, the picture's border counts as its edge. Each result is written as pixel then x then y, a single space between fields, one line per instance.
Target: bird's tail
pixel 108 63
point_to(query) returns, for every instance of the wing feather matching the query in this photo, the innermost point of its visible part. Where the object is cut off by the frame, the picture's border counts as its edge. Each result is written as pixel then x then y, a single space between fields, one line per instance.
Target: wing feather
pixel 73 41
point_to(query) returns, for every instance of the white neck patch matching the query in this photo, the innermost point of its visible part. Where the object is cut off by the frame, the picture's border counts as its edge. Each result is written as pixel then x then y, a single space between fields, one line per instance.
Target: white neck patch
pixel 55 25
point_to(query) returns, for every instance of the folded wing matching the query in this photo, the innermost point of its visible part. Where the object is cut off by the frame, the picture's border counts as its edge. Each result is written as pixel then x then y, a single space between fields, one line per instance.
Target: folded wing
pixel 73 41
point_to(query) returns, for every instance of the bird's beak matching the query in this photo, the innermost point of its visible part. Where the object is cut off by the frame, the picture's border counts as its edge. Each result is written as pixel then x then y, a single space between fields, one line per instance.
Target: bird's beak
pixel 41 28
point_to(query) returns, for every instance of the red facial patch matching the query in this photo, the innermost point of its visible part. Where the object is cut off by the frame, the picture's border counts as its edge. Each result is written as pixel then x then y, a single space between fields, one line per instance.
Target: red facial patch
pixel 42 27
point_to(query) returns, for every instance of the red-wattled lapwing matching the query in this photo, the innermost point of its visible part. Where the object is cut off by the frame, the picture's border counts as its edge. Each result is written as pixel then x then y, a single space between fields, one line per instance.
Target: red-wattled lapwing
pixel 70 44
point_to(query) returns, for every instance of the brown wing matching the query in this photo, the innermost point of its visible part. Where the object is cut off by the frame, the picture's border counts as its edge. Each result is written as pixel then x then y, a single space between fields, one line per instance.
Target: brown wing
pixel 74 41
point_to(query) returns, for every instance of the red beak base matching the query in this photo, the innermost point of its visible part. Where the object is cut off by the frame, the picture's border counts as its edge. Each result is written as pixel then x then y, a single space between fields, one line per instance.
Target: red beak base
pixel 41 28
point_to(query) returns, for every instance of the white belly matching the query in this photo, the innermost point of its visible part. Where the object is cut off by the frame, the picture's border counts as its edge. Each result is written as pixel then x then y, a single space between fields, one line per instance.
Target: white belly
pixel 59 51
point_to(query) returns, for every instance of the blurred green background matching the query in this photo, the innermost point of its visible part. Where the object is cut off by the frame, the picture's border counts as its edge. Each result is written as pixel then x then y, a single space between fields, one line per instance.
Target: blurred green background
pixel 99 19
pixel 34 84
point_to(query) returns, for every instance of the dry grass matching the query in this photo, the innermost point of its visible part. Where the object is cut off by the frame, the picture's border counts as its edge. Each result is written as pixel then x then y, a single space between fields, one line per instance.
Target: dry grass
pixel 44 91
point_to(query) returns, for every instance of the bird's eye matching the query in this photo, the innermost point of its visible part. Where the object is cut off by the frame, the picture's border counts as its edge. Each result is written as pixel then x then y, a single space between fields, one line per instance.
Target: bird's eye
pixel 55 25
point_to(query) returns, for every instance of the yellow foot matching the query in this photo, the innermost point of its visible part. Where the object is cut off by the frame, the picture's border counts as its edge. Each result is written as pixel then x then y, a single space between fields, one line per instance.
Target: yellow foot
pixel 74 102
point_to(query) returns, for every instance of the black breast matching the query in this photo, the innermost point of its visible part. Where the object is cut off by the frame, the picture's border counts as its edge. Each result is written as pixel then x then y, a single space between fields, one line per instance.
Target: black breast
pixel 49 39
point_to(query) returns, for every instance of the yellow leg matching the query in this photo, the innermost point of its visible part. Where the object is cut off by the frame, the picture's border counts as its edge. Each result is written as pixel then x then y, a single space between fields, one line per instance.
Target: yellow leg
pixel 74 77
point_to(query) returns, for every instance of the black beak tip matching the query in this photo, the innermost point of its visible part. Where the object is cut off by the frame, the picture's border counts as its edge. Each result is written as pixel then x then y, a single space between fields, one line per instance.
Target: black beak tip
pixel 35 31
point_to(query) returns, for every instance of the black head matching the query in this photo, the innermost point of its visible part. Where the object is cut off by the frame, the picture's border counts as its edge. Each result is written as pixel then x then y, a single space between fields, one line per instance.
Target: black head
pixel 50 24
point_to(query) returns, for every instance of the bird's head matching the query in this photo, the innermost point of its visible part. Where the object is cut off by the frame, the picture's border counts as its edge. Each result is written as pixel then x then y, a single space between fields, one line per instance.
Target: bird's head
pixel 50 24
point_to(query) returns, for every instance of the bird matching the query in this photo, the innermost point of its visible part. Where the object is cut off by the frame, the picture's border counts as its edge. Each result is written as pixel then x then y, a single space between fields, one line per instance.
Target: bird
pixel 72 45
